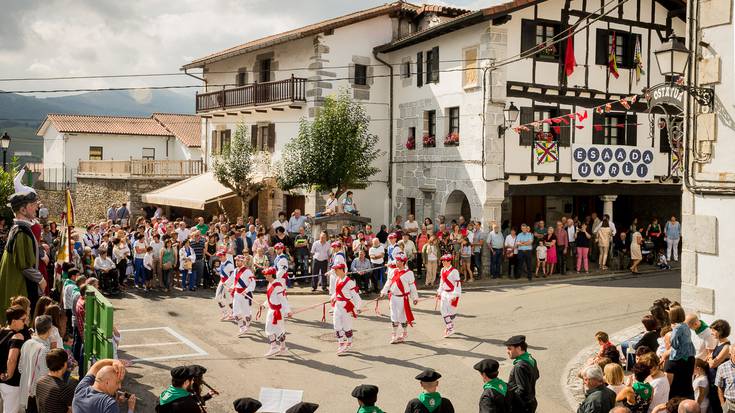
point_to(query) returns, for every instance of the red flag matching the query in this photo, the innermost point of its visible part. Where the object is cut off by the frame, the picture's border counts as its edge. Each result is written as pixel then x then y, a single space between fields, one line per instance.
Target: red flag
pixel 581 116
pixel 569 61
pixel 556 129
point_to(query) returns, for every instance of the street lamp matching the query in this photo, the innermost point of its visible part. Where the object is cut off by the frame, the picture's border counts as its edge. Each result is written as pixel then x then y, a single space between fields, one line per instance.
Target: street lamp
pixel 510 115
pixel 5 142
pixel 672 58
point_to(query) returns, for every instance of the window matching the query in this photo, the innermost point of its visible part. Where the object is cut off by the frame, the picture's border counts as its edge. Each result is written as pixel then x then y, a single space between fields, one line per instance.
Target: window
pixel 406 70
pixel 454 120
pixel 412 132
pixel 534 33
pixel 95 153
pixel 265 71
pixel 149 153
pixel 263 137
pixel 360 75
pixel 560 132
pixel 224 139
pixel 430 122
pixel 615 129
pixel 470 76
pixel 624 48
pixel 242 77
pixel 541 114
pixel 620 43
pixel 432 65
pixel 411 206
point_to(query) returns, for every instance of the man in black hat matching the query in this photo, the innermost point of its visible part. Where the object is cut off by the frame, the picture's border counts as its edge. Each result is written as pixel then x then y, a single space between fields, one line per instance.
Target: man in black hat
pixel 366 395
pixel 246 405
pixel 177 398
pixel 430 401
pixel 303 407
pixel 197 380
pixel 523 376
pixel 494 397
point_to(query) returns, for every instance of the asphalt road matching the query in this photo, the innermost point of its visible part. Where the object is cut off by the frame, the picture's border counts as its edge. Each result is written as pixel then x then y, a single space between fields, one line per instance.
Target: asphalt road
pixel 559 319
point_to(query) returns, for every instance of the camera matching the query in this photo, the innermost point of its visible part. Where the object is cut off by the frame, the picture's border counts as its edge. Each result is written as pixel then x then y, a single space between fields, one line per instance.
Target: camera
pixel 123 394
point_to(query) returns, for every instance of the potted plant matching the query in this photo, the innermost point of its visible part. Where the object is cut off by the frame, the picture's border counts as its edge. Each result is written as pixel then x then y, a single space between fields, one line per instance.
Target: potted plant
pixel 452 139
pixel 429 141
pixel 411 143
pixel 549 51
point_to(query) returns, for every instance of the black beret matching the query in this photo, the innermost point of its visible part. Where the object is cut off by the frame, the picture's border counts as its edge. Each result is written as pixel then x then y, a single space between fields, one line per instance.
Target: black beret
pixel 515 341
pixel 366 392
pixel 246 405
pixel 428 375
pixel 487 366
pixel 197 370
pixel 303 407
pixel 181 372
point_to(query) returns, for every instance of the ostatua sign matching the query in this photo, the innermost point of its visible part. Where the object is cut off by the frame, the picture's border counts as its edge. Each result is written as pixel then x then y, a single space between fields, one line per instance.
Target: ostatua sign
pixel 666 95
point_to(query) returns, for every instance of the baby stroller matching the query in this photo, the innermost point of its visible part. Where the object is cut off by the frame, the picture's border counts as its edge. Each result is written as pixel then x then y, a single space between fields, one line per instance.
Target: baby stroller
pixel 648 251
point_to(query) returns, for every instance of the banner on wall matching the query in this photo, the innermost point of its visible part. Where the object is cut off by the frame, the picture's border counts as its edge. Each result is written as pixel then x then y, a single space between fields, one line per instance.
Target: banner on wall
pixel 614 162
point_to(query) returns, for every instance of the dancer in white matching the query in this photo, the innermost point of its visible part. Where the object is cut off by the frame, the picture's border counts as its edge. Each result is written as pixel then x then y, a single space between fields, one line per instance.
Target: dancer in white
pixel 275 325
pixel 450 288
pixel 226 279
pixel 400 288
pixel 281 263
pixel 346 303
pixel 242 293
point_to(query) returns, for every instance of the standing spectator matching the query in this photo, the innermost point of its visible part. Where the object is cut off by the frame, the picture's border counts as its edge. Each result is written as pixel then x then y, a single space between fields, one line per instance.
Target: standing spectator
pixel 240 242
pixel 621 249
pixel 603 238
pixel 122 215
pixel 465 253
pixel 524 243
pixel 657 379
pixel 182 232
pixel 583 248
pixel 571 229
pixel 168 263
pixel 409 248
pixel 421 242
pixel 655 233
pixel 377 258
pixel 382 235
pixel 721 352
pixel 511 252
pixel 725 382
pixel 296 222
pixel 251 236
pixel 112 214
pixel 156 246
pixel 430 254
pixel 349 205
pixel 281 222
pixel 707 341
pixel 53 393
pixel 42 214
pixel 636 256
pixel 97 391
pixel 369 235
pixel 614 376
pixel 320 261
pixel 497 243
pixel 598 398
pixel 478 242
pixel 199 273
pixel 11 341
pixel 301 249
pixel 672 234
pixel 562 243
pixel 680 357
pixel 551 258
pixel 361 265
pixel 701 384
pixel 201 226
pixel 139 249
pixel 187 258
pixel 411 227
pixel 32 364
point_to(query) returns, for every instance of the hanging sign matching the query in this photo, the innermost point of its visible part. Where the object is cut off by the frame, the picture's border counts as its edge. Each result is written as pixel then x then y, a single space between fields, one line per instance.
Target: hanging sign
pixel 602 162
pixel 666 95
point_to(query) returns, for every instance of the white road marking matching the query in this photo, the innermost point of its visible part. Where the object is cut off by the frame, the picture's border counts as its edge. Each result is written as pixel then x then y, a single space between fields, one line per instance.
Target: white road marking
pixel 198 351
pixel 167 343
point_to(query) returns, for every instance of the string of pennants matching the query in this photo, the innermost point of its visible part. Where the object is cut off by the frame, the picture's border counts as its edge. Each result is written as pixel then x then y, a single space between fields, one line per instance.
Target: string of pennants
pixel 578 117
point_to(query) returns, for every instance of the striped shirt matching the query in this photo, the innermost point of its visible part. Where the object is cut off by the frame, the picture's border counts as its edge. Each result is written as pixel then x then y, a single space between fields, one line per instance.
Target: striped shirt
pixel 53 395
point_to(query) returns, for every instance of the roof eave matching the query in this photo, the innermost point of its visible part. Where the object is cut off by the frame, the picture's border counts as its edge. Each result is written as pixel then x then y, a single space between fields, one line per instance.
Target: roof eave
pixel 452 25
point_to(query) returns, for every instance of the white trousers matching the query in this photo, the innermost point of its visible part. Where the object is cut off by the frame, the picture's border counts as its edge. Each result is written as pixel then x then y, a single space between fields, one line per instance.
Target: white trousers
pixel 397 312
pixel 11 398
pixel 274 329
pixel 241 306
pixel 446 307
pixel 222 295
pixel 341 319
pixel 672 245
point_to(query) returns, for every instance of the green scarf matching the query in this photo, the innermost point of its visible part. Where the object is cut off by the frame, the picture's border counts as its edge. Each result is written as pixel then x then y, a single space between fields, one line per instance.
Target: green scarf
pixel 369 409
pixel 644 390
pixel 527 358
pixel 702 326
pixel 430 400
pixel 498 385
pixel 172 393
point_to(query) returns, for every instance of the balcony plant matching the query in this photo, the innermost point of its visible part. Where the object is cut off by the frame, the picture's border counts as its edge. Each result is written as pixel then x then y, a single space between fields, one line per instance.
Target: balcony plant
pixel 411 143
pixel 452 139
pixel 429 141
pixel 548 51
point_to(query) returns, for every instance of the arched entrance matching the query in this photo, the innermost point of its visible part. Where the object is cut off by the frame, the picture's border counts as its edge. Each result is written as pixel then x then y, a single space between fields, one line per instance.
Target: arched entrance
pixel 457 204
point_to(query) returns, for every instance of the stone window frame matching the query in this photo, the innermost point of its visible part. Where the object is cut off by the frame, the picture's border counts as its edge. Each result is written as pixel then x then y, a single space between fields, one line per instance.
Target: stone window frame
pixel 271 55
pixel 361 92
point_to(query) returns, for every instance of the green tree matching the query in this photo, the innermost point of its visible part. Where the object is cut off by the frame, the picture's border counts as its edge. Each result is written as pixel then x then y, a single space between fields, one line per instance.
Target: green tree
pixel 7 188
pixel 234 167
pixel 335 151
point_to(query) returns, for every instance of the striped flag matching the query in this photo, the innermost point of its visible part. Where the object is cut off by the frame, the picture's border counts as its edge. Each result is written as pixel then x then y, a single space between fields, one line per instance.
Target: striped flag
pixel 612 59
pixel 638 60
pixel 63 255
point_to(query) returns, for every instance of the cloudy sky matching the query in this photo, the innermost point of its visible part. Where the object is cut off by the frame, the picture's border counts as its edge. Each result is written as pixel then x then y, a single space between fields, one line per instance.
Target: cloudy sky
pixel 47 38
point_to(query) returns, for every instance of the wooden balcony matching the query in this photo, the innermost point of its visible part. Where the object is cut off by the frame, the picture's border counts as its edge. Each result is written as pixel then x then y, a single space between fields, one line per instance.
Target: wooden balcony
pixel 140 168
pixel 257 94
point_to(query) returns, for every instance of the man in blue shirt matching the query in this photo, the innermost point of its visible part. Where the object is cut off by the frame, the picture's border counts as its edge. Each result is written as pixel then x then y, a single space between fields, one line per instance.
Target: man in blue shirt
pixel 250 237
pixel 97 391
pixel 524 242
pixel 295 222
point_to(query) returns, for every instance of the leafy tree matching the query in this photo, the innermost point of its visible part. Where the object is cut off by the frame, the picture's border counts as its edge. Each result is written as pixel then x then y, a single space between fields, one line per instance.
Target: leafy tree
pixel 336 150
pixel 233 167
pixel 7 188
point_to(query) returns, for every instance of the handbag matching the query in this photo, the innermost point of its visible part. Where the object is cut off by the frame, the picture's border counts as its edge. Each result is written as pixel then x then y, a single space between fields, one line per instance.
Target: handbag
pixel 188 264
pixel 167 266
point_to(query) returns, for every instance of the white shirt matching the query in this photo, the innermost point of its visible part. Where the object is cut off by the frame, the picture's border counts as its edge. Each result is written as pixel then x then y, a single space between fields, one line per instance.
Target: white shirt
pixel 103 264
pixel 157 247
pixel 139 245
pixel 510 242
pixel 320 250
pixel 182 234
pixel 331 204
pixel 282 224
pixel 379 250
pixel 411 225
pixel 660 391
pixel 148 261
pixel 158 213
pixel 698 383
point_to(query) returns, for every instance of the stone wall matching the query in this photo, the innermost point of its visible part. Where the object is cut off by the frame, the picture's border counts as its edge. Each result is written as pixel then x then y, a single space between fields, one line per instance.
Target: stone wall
pixel 54 201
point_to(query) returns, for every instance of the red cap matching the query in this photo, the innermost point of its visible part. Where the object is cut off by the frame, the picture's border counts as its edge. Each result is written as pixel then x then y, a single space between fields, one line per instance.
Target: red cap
pixel 336 244
pixel 269 271
pixel 447 257
pixel 339 265
pixel 392 235
pixel 279 246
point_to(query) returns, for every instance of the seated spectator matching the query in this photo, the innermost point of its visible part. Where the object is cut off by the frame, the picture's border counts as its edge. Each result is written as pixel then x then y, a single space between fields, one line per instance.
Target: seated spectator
pixel 607 348
pixel 638 395
pixel 349 205
pixel 97 391
pixel 53 394
pixel 650 337
pixel 106 271
pixel 598 398
pixel 31 365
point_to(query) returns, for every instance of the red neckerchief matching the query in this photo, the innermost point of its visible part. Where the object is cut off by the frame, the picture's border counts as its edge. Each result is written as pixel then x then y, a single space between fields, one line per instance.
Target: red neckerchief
pixel 450 286
pixel 406 303
pixel 349 306
pixel 275 307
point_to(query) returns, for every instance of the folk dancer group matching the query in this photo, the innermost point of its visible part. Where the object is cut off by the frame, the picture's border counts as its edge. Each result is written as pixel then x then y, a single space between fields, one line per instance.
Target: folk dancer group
pixel 234 296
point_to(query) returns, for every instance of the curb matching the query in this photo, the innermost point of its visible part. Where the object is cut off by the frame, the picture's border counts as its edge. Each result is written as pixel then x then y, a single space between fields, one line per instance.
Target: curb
pixel 571 384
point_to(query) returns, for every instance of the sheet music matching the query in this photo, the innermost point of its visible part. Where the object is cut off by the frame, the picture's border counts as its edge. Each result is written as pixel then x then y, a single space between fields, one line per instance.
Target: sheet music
pixel 278 400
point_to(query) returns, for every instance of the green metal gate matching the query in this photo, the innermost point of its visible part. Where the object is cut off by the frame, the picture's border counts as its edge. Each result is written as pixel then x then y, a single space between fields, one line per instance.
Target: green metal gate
pixel 97 327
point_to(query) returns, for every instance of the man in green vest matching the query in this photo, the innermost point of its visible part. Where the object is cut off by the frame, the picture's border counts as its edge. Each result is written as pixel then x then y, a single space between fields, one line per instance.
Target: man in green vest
pixel 494 396
pixel 19 273
pixel 523 376
pixel 367 396
pixel 429 401
pixel 177 398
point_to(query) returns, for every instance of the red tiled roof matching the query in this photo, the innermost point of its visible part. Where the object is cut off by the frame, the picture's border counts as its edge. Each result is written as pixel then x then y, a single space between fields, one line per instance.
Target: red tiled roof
pixel 322 26
pixel 186 128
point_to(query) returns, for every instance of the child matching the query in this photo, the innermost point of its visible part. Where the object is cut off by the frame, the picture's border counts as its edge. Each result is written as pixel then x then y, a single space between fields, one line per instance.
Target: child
pixel 638 395
pixel 701 384
pixel 148 267
pixel 607 348
pixel 541 258
pixel 663 263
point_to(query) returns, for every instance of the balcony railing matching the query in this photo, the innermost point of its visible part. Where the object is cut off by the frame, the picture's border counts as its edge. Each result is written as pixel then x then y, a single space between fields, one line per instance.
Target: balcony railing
pixel 257 94
pixel 141 168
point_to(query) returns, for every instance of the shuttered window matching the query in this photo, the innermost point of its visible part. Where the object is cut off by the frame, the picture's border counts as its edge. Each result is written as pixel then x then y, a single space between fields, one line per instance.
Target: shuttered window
pixel 534 33
pixel 95 153
pixel 470 76
pixel 624 48
pixel 615 129
pixel 215 142
pixel 265 137
pixel 419 69
pixel 527 136
pixel 432 65
pixel 360 75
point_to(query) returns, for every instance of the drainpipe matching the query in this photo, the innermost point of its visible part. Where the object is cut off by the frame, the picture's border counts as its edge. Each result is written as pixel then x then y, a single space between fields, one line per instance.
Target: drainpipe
pixel 390 138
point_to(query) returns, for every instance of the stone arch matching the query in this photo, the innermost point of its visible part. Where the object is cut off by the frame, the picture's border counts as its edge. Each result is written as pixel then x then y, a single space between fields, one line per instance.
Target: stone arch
pixel 461 201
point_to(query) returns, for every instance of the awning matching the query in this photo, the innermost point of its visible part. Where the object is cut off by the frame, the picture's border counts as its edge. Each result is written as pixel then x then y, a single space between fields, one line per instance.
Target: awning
pixel 193 193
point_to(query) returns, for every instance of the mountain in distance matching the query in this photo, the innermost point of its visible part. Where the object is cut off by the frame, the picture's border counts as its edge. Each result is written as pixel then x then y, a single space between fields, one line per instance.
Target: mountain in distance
pixel 21 115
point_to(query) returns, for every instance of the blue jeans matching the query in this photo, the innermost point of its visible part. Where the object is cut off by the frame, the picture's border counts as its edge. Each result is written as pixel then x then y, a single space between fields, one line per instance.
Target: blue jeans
pixel 496 262
pixel 378 276
pixel 192 279
pixel 138 271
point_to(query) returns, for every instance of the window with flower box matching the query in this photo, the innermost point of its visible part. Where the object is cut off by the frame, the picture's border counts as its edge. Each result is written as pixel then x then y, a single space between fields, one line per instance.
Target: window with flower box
pixel 536 32
pixel 411 140
pixel 429 138
pixel 452 138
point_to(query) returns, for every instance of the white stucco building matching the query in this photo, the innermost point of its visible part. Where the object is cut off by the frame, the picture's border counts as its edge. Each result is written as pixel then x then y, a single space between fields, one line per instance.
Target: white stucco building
pixel 709 196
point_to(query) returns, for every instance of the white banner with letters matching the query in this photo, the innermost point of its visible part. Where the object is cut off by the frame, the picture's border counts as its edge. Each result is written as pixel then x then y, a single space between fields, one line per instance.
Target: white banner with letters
pixel 613 162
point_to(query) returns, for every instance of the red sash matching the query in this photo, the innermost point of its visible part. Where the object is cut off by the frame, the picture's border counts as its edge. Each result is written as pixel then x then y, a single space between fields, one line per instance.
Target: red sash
pixel 275 307
pixel 450 286
pixel 406 303
pixel 349 306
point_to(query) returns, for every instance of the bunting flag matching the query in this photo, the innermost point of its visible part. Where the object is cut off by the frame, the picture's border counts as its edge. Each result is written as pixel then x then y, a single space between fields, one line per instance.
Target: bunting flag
pixel 569 61
pixel 608 107
pixel 638 60
pixel 612 65
pixel 581 116
pixel 624 102
pixel 546 152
